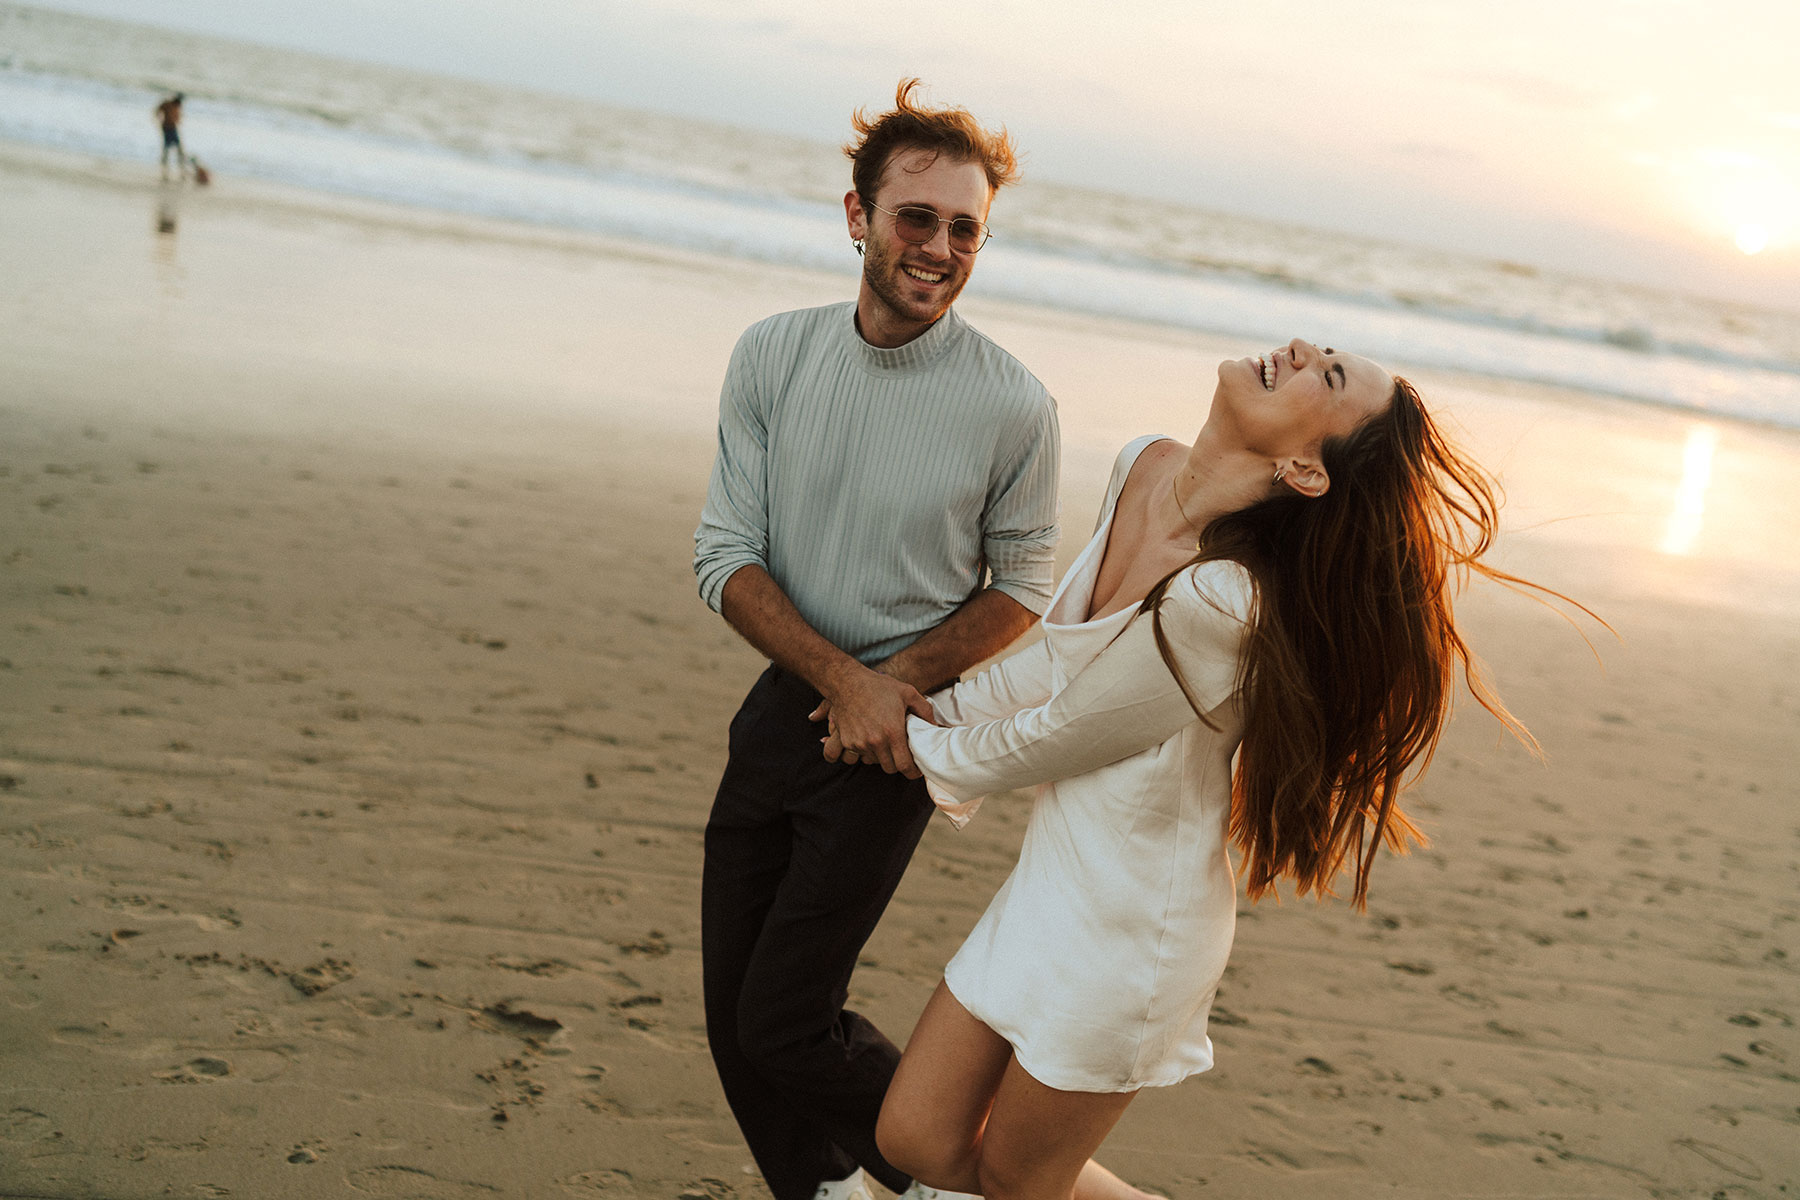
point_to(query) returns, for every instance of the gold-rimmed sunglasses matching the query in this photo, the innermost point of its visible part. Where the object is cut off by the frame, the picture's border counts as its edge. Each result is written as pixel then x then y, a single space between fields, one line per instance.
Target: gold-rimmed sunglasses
pixel 920 225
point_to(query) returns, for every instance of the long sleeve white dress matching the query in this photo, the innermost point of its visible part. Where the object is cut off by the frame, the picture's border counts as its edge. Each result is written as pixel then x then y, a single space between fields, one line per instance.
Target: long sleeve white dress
pixel 1099 957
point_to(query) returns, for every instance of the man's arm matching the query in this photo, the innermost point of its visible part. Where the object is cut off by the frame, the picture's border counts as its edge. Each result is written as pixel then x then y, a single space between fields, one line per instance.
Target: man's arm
pixel 868 708
pixel 987 623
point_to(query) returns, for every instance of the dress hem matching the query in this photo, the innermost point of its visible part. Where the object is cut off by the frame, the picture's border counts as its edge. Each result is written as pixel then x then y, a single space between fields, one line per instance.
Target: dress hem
pixel 1084 1086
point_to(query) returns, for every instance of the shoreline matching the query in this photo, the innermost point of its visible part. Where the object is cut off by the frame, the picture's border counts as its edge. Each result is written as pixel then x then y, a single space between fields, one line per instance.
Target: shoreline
pixel 459 227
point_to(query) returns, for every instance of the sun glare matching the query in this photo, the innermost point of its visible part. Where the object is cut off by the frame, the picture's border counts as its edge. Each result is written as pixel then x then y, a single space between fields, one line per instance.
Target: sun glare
pixel 1752 239
pixel 1744 200
pixel 1689 507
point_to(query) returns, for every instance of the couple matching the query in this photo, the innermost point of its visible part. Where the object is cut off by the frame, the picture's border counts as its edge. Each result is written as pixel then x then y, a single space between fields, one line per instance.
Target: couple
pixel 881 516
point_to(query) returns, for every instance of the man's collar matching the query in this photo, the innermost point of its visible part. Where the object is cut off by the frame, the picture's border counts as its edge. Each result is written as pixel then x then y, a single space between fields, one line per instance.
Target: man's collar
pixel 912 355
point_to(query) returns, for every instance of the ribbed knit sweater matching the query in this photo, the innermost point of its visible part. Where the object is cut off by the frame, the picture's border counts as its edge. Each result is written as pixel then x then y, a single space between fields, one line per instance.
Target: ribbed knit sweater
pixel 880 488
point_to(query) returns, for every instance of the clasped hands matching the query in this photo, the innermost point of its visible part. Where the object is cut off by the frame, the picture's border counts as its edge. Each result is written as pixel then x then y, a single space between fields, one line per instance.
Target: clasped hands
pixel 865 712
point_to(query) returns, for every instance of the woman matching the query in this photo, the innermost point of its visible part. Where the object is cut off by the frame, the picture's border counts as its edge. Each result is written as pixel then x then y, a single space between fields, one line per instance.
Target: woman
pixel 1280 591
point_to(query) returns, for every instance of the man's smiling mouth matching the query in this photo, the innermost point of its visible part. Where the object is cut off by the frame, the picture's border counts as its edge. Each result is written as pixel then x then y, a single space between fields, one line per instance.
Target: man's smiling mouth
pixel 924 276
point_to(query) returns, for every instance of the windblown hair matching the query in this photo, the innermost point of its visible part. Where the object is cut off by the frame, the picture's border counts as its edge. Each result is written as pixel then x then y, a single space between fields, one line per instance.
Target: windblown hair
pixel 910 126
pixel 1352 654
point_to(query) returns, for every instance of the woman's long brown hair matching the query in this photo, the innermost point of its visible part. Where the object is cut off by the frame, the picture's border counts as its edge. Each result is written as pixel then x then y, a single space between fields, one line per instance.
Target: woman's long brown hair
pixel 1352 654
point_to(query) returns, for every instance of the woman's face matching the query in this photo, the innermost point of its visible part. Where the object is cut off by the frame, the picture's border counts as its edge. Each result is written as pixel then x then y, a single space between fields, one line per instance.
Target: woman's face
pixel 1290 400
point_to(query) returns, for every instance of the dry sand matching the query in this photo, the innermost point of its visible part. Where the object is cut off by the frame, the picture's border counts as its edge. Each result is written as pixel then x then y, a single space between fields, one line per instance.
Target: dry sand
pixel 360 722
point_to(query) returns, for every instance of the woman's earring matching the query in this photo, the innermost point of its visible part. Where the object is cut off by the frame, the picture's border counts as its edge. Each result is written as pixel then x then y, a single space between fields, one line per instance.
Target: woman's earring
pixel 1280 474
pixel 858 243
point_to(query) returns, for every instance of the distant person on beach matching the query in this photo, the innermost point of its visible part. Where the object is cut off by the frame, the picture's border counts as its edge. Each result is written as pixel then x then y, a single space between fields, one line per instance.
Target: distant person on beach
pixel 168 115
pixel 881 516
pixel 1255 647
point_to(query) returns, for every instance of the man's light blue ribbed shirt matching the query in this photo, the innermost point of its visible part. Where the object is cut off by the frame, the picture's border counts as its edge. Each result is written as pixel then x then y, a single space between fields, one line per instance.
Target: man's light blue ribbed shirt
pixel 880 488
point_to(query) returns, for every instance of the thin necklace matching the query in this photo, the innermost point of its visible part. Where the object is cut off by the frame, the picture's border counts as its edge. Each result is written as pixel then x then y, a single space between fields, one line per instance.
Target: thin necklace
pixel 1173 491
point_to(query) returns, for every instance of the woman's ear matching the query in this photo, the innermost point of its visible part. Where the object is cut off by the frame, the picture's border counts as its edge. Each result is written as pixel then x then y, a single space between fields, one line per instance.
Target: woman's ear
pixel 1306 477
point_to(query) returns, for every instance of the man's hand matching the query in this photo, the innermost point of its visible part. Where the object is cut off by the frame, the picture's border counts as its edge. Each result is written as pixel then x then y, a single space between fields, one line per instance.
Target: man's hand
pixel 866 713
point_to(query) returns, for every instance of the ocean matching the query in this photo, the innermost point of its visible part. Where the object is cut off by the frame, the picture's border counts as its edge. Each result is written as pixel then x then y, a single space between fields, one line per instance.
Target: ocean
pixel 381 133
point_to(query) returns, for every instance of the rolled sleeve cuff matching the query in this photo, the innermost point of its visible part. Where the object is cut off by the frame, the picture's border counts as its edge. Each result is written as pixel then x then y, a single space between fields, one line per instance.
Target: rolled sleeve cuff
pixel 928 741
pixel 715 571
pixel 1024 567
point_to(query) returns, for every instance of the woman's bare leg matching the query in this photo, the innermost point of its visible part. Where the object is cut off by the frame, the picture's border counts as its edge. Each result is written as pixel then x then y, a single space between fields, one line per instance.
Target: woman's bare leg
pixel 1039 1142
pixel 937 1104
pixel 961 1115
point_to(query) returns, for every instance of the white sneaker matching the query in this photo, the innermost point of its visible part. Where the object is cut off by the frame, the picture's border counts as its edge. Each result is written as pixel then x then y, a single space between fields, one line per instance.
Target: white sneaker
pixel 919 1191
pixel 852 1187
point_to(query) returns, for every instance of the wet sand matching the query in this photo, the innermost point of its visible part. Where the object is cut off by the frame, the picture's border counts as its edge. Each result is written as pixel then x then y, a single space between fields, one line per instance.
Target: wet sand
pixel 361 721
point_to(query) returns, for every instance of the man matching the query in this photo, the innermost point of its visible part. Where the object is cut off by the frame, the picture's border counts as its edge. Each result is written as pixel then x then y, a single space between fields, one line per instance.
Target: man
pixel 168 115
pixel 877 461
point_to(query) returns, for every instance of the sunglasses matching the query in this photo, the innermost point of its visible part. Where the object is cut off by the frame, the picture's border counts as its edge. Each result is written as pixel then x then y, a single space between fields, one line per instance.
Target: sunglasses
pixel 920 225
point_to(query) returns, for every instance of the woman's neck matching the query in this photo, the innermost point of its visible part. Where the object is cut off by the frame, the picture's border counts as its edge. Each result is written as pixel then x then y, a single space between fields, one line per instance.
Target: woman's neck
pixel 1207 482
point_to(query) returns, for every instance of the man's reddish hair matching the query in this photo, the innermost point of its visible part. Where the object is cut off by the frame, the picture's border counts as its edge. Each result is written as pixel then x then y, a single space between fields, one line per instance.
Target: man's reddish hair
pixel 910 126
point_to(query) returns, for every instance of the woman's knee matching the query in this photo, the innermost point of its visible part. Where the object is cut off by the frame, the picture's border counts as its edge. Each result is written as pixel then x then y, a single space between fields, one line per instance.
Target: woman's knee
pixel 909 1144
pixel 894 1137
pixel 1005 1181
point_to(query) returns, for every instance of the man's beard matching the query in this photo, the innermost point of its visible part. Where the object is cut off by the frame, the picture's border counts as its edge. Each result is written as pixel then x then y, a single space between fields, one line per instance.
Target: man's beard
pixel 881 269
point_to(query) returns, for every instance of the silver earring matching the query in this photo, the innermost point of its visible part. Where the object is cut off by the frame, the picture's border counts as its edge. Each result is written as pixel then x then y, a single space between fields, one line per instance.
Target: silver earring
pixel 1280 474
pixel 858 243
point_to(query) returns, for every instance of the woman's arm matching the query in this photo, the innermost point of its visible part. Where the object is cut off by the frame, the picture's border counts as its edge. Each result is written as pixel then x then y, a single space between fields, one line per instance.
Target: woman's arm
pixel 1125 700
pixel 1017 681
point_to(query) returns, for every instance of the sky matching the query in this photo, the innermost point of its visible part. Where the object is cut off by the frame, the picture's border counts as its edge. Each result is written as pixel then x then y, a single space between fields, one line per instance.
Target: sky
pixel 1647 140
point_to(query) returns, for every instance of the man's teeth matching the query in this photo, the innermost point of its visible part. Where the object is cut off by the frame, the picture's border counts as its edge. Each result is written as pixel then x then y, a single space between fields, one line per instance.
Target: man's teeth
pixel 1268 372
pixel 924 276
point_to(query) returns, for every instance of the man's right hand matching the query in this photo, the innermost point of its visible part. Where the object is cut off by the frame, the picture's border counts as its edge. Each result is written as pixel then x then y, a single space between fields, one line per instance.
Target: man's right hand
pixel 867 711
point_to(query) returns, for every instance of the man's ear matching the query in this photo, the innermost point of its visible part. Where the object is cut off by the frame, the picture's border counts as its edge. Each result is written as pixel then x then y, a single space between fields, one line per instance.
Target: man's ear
pixel 1306 477
pixel 857 219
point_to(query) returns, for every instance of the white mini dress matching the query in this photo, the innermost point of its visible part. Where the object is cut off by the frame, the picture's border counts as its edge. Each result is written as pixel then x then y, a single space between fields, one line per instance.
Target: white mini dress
pixel 1099 957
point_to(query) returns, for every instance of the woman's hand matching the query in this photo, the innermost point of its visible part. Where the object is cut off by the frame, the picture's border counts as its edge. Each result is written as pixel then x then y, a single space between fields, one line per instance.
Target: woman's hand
pixel 865 713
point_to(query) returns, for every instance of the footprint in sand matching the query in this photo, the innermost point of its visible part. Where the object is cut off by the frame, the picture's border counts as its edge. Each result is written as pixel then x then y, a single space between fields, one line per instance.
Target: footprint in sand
pixel 381 1009
pixel 26 1125
pixel 706 1189
pixel 412 1183
pixel 527 1024
pixel 1466 998
pixel 529 965
pixel 1295 1157
pixel 606 1182
pixel 196 1070
pixel 328 973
